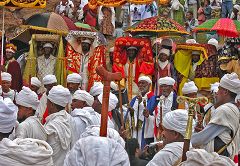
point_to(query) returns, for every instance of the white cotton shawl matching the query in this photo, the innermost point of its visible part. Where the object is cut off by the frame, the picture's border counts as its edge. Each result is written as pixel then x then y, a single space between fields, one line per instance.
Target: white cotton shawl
pixel 31 128
pixel 23 152
pixel 59 130
pixel 42 106
pixel 226 115
pixel 97 151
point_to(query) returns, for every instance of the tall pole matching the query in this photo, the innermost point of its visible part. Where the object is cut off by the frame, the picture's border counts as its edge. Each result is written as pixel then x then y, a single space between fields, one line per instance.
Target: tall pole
pixel 3 34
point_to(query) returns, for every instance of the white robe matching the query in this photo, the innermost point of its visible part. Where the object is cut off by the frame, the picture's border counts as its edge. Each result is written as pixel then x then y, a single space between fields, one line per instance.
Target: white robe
pixel 42 107
pixel 168 156
pixel 25 152
pixel 59 129
pixel 31 128
pixel 226 115
pixel 11 94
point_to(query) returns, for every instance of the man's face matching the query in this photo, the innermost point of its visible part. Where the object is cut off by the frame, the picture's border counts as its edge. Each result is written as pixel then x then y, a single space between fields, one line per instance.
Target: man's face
pixel 49 86
pixel 23 113
pixel 131 53
pixel 189 16
pixel 97 106
pixel 143 86
pixel 163 57
pixel 166 90
pixel 47 50
pixel 34 88
pixel 72 87
pixel 85 46
pixel 6 86
pixel 9 55
pixel 169 136
pixel 195 58
pixel 77 104
pixel 191 95
pixel 220 95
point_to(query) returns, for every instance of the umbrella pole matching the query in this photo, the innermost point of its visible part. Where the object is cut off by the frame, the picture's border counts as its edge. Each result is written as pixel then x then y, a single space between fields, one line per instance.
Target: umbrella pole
pixel 3 34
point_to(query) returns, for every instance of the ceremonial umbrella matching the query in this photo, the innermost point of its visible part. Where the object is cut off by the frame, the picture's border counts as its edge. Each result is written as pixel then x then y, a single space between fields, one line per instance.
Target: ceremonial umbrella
pixel 223 27
pixel 85 27
pixel 44 23
pixel 157 26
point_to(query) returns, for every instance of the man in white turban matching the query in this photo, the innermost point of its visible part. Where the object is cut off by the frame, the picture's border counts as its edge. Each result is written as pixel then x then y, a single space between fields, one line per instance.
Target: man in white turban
pixel 42 111
pixel 22 152
pixel 6 91
pixel 73 82
pixel 46 63
pixel 195 62
pixel 30 126
pixel 237 100
pixel 8 117
pixel 58 124
pixel 168 98
pixel 222 132
pixel 35 86
pixel 213 42
pixel 83 114
pixel 96 89
pixel 174 127
pixel 190 89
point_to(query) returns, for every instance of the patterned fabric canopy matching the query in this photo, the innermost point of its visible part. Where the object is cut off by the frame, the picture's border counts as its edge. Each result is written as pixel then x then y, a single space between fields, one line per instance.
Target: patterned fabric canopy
pixel 157 25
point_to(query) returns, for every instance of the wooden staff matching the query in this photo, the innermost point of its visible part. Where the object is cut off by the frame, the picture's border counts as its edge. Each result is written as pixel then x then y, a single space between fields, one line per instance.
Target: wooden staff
pixel 120 104
pixel 192 102
pixel 107 77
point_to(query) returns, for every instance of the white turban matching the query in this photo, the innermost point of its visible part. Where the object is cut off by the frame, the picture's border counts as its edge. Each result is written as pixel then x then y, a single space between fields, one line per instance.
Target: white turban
pixel 113 100
pixel 132 48
pixel 95 150
pixel 237 98
pixel 111 49
pixel 6 76
pixel 214 87
pixel 74 78
pixel 189 87
pixel 213 42
pixel 8 115
pixel 176 120
pixel 166 81
pixel 59 95
pixel 165 51
pixel 96 89
pixel 27 98
pixel 87 41
pixel 196 52
pixel 49 79
pixel 82 95
pixel 236 7
pixel 35 81
pixel 49 45
pixel 94 130
pixel 114 86
pixel 145 78
pixel 231 82
pixel 191 41
pixel 22 152
pixel 199 157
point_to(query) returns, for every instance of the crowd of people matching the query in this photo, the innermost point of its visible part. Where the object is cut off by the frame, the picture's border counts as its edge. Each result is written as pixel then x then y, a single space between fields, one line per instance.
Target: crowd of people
pixel 51 95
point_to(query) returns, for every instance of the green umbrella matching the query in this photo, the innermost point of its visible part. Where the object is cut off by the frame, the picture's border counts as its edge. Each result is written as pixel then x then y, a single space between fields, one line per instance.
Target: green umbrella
pixel 83 27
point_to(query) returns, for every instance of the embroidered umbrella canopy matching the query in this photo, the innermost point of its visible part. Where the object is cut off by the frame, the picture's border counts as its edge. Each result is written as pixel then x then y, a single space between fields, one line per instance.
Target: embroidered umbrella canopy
pixel 157 26
pixel 223 27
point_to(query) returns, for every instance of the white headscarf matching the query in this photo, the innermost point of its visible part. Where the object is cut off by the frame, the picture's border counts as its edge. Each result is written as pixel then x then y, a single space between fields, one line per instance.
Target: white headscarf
pixel 113 100
pixel 189 87
pixel 35 81
pixel 96 89
pixel 82 95
pixel 165 51
pixel 199 157
pixel 74 78
pixel 49 79
pixel 214 87
pixel 231 82
pixel 6 76
pixel 99 151
pixel 22 152
pixel 191 41
pixel 213 42
pixel 59 95
pixel 176 120
pixel 166 81
pixel 49 45
pixel 27 98
pixel 114 86
pixel 8 115
pixel 145 78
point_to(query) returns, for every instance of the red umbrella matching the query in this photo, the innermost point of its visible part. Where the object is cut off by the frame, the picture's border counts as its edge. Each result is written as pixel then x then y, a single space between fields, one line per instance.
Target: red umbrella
pixel 225 27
